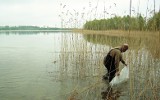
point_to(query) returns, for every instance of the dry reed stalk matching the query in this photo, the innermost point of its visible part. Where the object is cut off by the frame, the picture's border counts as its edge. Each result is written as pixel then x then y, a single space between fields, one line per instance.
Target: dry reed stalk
pixel 84 66
pixel 144 89
pixel 89 87
pixel 130 81
pixel 153 91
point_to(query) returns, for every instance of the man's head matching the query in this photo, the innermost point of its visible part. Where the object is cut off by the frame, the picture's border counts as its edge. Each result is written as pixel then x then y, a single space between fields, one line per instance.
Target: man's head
pixel 124 47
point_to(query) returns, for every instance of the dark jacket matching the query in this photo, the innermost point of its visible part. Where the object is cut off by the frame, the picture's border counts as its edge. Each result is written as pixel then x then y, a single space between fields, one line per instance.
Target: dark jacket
pixel 116 55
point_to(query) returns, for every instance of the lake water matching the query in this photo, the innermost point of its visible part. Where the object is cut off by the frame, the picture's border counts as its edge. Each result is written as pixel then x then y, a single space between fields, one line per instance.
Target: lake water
pixel 67 65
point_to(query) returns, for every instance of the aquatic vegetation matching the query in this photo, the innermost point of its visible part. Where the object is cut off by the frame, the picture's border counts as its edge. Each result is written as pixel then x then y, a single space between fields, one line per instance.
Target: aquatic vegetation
pixel 80 61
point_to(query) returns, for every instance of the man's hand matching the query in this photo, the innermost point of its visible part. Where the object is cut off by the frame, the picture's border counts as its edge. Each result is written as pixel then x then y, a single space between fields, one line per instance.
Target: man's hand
pixel 117 73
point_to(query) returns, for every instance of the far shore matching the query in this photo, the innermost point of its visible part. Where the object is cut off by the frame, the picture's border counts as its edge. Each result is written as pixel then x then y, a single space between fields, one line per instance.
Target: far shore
pixel 33 30
pixel 104 32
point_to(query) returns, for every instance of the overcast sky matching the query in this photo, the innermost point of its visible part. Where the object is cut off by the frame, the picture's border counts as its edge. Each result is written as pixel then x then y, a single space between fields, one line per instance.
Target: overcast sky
pixel 68 13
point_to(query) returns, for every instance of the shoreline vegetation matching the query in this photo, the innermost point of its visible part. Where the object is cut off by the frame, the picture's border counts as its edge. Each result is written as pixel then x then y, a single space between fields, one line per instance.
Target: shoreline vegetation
pixel 128 33
pixel 117 33
pixel 31 28
pixel 113 32
pixel 60 30
pixel 125 23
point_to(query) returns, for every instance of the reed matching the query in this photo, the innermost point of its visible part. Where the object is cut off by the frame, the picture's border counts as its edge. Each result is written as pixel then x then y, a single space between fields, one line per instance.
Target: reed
pixel 81 57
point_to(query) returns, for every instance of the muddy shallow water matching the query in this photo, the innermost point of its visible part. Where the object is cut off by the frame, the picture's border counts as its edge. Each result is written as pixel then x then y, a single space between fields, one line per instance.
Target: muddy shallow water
pixel 68 65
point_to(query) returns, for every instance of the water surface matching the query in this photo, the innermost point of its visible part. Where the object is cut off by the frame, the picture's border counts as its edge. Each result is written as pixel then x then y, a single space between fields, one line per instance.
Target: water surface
pixel 67 65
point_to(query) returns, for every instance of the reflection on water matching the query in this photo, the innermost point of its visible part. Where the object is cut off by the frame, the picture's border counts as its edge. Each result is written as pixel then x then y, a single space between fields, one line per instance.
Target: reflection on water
pixel 65 65
pixel 135 43
pixel 110 94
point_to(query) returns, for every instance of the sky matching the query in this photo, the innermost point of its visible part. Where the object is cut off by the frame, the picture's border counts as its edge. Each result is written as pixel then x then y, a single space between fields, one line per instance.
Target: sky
pixel 69 13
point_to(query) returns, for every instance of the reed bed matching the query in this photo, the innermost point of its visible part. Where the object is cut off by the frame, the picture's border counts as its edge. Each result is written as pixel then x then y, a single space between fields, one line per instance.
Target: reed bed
pixel 79 59
pixel 81 56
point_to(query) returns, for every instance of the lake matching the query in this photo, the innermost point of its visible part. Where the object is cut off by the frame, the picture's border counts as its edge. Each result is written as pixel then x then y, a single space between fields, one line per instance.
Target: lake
pixel 64 65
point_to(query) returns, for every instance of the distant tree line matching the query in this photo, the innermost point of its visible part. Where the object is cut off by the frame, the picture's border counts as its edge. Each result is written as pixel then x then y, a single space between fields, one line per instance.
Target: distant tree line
pixel 125 23
pixel 29 28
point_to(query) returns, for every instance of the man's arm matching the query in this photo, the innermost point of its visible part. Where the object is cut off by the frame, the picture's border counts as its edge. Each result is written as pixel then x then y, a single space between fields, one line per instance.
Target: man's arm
pixel 117 60
pixel 123 61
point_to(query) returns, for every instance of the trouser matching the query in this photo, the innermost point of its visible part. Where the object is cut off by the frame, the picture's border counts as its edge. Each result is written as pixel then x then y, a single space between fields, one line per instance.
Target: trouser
pixel 109 64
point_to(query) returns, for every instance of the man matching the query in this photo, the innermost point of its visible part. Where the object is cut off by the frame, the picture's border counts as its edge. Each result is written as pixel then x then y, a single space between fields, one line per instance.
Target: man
pixel 111 61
